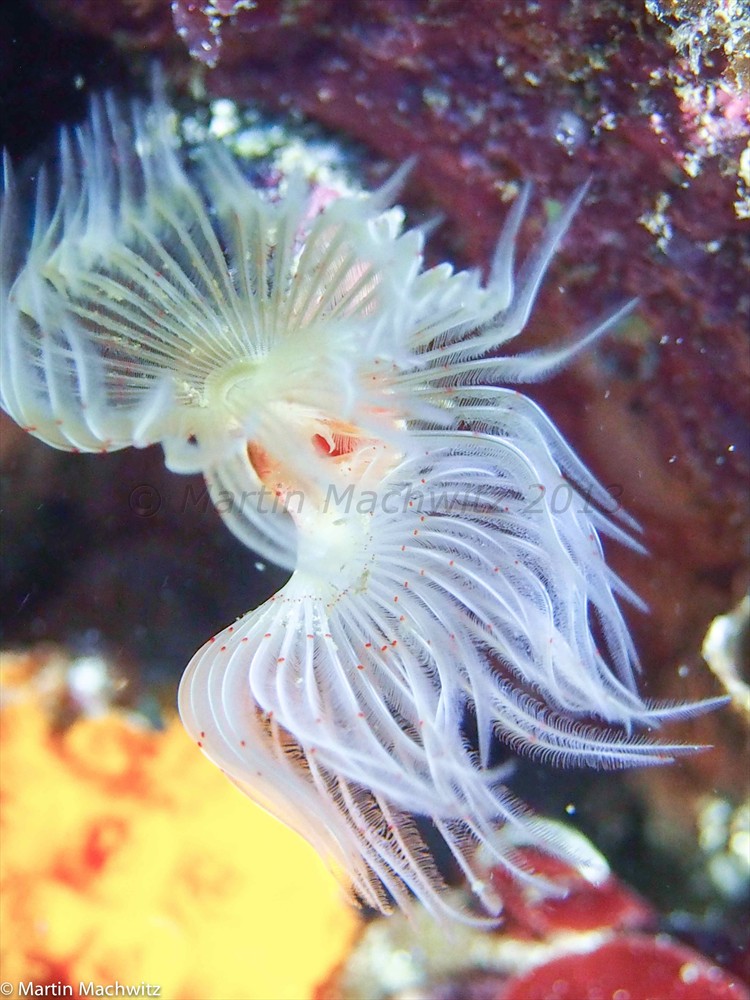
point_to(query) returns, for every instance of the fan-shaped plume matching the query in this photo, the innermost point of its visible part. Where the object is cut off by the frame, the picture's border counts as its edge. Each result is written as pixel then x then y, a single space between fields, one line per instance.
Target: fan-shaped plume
pixel 443 538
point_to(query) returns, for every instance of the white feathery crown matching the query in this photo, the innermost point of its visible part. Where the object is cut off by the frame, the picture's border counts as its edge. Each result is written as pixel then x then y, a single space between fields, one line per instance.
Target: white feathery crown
pixel 311 357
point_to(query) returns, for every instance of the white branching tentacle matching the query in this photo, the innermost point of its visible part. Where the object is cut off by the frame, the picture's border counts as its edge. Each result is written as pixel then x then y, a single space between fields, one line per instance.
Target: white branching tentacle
pixel 349 411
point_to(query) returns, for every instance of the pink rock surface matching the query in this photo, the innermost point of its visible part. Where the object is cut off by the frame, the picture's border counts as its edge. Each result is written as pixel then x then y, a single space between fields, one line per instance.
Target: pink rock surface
pixel 630 967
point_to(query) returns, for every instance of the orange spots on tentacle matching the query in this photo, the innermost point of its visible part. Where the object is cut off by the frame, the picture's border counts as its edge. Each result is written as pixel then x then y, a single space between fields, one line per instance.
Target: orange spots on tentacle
pixel 261 461
pixel 336 438
pixel 335 446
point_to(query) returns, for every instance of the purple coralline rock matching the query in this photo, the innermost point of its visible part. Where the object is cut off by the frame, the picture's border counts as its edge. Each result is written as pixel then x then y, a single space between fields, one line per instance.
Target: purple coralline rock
pixel 268 29
pixel 141 24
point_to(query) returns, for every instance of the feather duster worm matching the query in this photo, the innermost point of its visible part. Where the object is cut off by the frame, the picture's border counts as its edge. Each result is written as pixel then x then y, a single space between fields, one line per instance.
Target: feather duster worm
pixel 310 357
